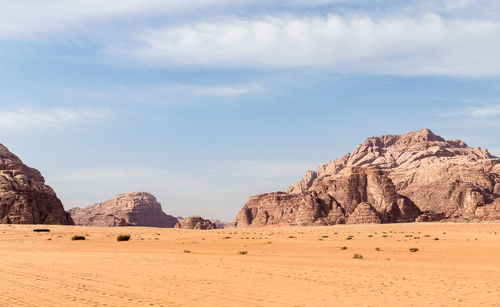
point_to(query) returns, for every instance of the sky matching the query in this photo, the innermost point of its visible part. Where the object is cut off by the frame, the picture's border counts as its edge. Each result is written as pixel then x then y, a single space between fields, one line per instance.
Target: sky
pixel 206 102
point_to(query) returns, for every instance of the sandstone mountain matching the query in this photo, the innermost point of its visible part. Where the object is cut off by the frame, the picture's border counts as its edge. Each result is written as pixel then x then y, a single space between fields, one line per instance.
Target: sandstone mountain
pixel 195 222
pixel 414 176
pixel 132 209
pixel 24 196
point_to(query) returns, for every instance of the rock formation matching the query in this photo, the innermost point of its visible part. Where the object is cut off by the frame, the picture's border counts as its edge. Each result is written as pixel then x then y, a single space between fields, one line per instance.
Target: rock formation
pixel 195 222
pixel 24 196
pixel 132 209
pixel 414 176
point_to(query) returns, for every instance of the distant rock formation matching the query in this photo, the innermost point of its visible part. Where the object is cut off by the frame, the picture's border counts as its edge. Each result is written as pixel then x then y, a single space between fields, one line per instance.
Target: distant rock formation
pixel 24 196
pixel 219 224
pixel 131 209
pixel 414 176
pixel 195 222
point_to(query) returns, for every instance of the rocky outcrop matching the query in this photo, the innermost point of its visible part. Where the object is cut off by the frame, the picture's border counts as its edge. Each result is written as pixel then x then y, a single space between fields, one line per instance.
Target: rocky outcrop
pixel 132 209
pixel 195 222
pixel 364 213
pixel 331 200
pixel 24 196
pixel 414 176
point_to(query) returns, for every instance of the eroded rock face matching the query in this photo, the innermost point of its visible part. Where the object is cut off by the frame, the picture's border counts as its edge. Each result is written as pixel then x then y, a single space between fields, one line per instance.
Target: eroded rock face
pixel 195 222
pixel 24 196
pixel 331 200
pixel 131 209
pixel 414 176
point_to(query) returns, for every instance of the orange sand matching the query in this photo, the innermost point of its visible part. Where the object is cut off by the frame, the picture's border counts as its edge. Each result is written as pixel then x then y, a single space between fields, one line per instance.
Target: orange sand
pixel 167 267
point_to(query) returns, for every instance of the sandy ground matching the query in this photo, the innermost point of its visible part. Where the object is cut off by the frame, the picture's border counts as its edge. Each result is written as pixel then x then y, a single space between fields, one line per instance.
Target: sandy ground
pixel 283 266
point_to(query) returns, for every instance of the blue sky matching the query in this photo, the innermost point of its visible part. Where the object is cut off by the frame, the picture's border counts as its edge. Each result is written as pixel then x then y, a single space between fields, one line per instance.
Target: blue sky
pixel 204 103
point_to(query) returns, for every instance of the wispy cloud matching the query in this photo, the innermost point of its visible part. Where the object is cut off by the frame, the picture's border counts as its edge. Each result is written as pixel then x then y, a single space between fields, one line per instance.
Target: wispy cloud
pixel 27 119
pixel 176 94
pixel 26 17
pixel 482 111
pixel 388 45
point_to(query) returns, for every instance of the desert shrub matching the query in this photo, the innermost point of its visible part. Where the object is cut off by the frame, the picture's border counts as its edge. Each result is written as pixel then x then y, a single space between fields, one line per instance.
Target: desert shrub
pixel 291 237
pixel 123 238
pixel 435 239
pixel 187 251
pixel 357 256
pixel 349 238
pixel 377 249
pixel 324 236
pixel 225 238
pixel 369 236
pixel 41 230
pixel 413 249
pixel 343 248
pixel 77 238
pixel 384 236
pixel 243 252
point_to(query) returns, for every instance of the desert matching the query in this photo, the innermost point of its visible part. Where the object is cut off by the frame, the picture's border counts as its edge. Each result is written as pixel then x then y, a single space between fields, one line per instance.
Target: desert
pixel 249 153
pixel 455 265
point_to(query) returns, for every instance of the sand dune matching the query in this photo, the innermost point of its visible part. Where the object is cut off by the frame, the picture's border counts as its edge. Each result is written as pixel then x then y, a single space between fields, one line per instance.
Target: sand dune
pixel 284 266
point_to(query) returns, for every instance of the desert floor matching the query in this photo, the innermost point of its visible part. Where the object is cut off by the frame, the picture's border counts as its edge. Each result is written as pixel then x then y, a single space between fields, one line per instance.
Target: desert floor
pixel 456 264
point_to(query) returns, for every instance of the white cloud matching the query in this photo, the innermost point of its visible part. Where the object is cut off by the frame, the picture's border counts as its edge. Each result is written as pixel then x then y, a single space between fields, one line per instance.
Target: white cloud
pixel 26 119
pixel 389 45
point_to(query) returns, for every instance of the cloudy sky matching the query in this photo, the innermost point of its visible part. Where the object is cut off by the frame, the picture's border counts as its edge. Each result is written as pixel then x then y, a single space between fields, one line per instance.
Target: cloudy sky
pixel 206 102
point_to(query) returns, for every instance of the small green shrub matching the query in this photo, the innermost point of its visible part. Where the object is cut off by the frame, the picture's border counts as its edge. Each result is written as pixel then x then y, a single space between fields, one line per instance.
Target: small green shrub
pixel 324 236
pixel 123 238
pixel 243 252
pixel 377 249
pixel 77 238
pixel 357 256
pixel 413 249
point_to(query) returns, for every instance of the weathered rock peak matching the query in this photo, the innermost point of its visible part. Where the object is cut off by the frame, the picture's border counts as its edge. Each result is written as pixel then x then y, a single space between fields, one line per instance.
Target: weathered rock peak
pixel 24 196
pixel 131 209
pixel 419 171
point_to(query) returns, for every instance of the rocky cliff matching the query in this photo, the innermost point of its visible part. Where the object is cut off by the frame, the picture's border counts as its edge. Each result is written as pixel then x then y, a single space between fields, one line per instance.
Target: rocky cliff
pixel 416 172
pixel 195 222
pixel 132 209
pixel 24 196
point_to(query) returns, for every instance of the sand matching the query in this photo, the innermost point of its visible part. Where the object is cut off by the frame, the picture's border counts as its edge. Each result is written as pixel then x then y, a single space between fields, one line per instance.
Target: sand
pixel 300 266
